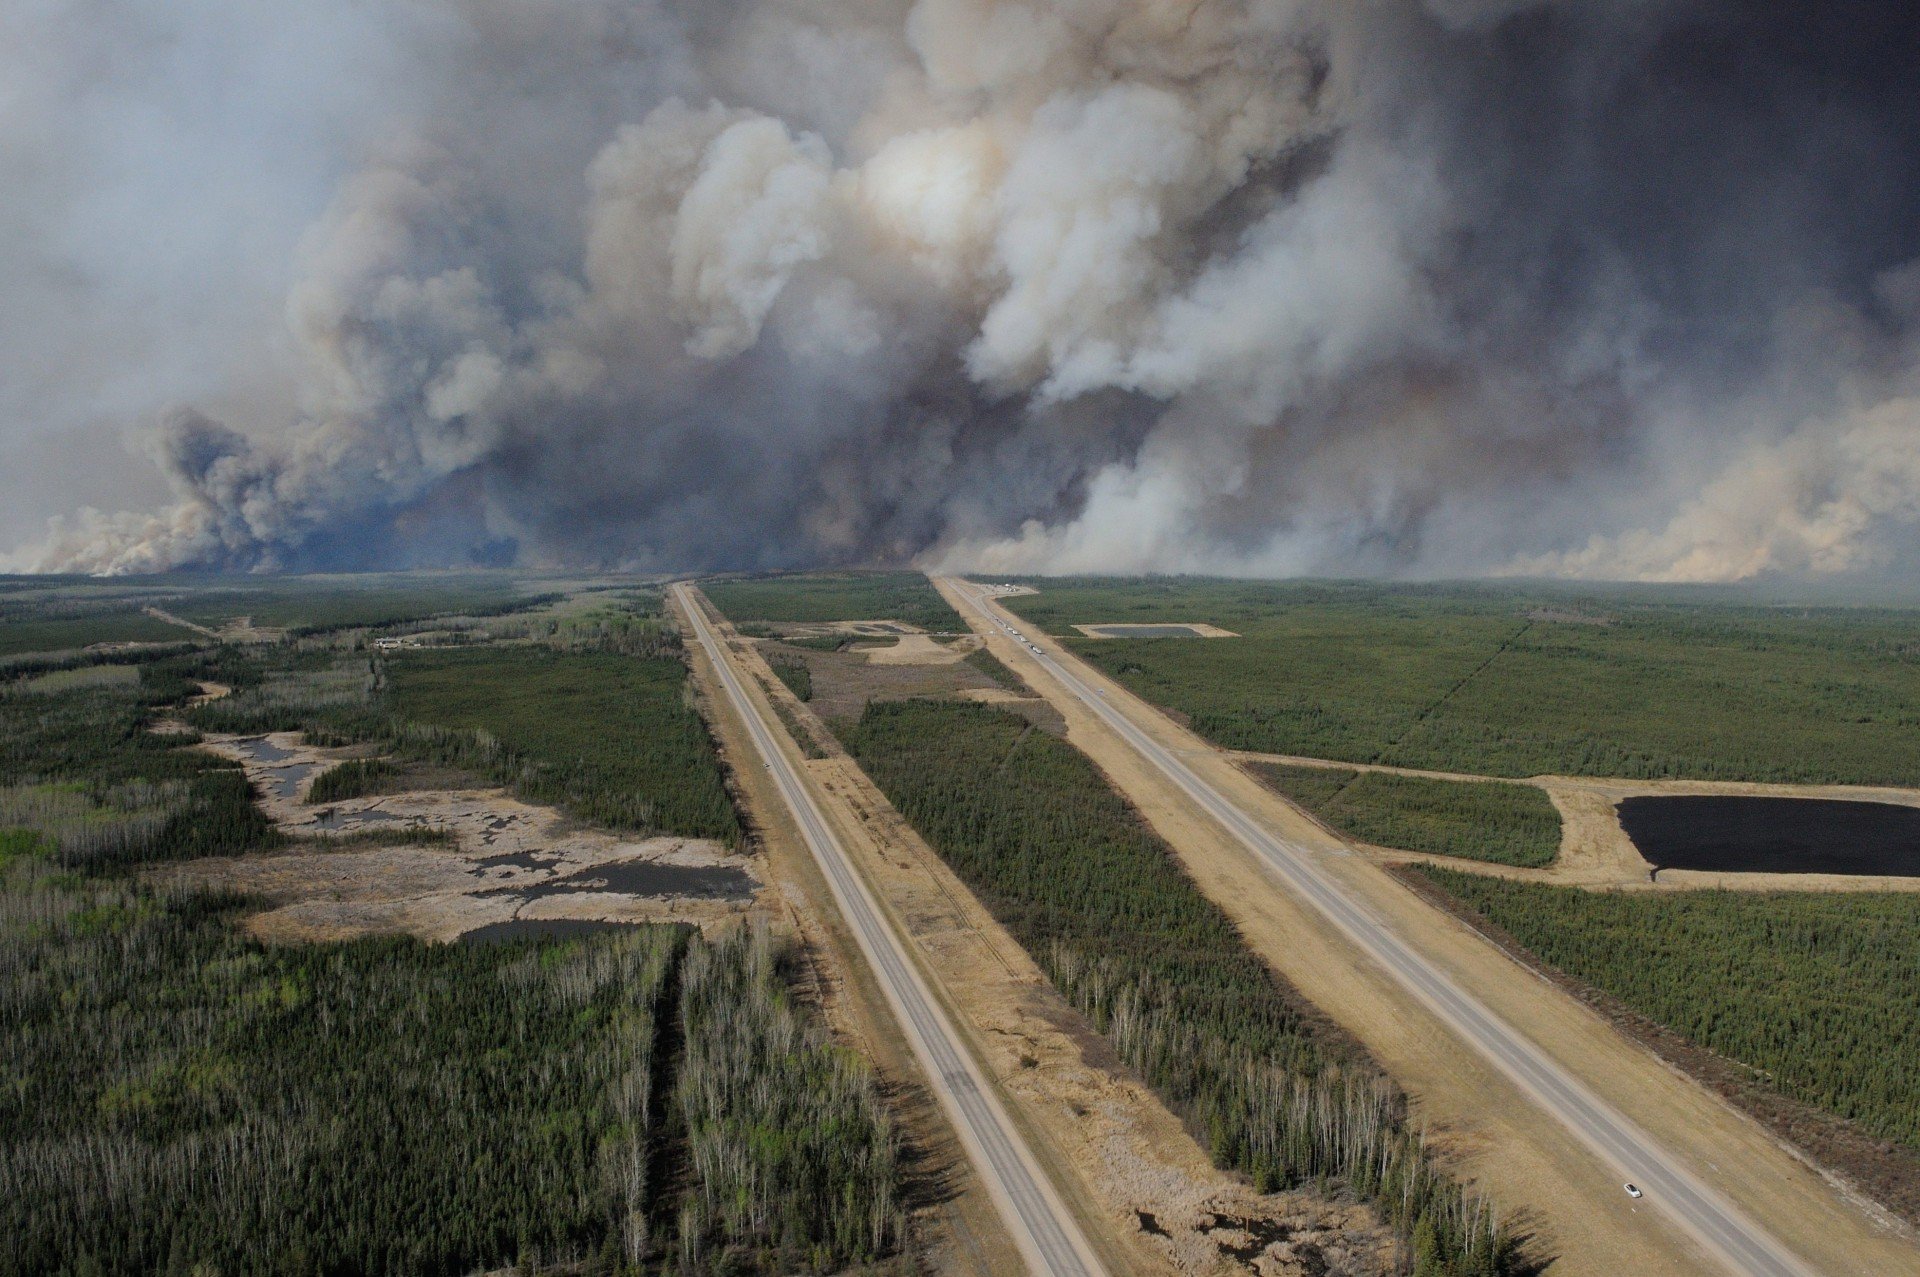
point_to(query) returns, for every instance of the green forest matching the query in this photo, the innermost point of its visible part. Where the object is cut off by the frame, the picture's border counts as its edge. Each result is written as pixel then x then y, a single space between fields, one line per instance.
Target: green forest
pixel 1518 681
pixel 84 783
pixel 1099 901
pixel 1813 991
pixel 794 672
pixel 608 738
pixel 179 1098
pixel 835 596
pixel 1476 820
pixel 182 1099
pixel 355 778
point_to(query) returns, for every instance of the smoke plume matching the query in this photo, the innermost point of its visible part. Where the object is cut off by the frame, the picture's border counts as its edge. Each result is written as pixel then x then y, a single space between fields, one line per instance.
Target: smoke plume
pixel 1619 289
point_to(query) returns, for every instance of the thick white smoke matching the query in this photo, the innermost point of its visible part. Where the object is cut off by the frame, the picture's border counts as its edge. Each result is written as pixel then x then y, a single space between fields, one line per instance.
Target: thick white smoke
pixel 1242 285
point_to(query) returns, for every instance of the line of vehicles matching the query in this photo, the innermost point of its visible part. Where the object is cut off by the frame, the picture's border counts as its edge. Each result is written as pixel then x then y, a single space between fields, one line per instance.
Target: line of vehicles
pixel 1015 636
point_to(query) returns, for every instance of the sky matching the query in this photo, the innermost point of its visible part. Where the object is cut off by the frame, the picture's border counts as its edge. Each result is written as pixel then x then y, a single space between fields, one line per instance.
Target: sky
pixel 1617 289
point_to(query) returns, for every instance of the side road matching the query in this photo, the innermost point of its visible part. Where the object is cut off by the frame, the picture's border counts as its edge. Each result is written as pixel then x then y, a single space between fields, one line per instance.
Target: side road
pixel 1539 1100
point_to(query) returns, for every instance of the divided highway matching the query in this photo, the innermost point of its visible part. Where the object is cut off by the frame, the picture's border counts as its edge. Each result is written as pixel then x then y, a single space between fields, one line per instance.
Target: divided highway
pixel 1741 1243
pixel 1045 1231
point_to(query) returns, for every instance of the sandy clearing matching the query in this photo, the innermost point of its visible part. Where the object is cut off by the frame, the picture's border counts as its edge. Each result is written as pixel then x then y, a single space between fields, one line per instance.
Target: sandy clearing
pixel 1113 1148
pixel 920 649
pixel 496 859
pixel 1529 1164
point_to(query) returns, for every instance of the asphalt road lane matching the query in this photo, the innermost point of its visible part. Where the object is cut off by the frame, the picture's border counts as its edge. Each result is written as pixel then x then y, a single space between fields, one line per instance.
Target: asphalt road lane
pixel 1716 1223
pixel 1045 1231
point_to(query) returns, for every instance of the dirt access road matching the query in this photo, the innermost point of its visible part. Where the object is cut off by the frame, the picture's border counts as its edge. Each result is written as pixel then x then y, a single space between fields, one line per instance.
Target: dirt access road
pixel 1048 1235
pixel 1530 1091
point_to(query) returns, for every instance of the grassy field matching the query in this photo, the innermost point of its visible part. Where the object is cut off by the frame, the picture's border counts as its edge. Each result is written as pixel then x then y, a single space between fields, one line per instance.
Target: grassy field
pixel 836 596
pixel 1477 820
pixel 1099 901
pixel 607 738
pixel 1514 681
pixel 1814 991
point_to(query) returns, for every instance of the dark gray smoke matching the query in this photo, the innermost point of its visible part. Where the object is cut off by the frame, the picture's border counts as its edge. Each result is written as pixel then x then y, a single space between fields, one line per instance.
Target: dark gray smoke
pixel 1599 287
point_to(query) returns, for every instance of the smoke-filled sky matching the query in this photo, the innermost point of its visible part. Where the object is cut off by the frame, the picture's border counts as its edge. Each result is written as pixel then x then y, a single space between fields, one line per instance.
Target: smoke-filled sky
pixel 1602 288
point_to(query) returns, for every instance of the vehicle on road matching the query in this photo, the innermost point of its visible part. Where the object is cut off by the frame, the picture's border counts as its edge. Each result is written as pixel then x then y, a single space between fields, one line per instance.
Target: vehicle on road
pixel 1634 1192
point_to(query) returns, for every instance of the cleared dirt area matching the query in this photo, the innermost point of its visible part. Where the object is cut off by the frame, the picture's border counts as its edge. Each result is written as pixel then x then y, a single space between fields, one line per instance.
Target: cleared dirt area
pixel 1122 1159
pixel 484 858
pixel 1539 1175
pixel 1596 852
pixel 844 681
pixel 920 649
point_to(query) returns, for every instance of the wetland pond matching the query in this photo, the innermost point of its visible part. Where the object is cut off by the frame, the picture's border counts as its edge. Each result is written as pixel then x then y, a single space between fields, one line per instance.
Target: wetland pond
pixel 1143 631
pixel 539 929
pixel 1719 834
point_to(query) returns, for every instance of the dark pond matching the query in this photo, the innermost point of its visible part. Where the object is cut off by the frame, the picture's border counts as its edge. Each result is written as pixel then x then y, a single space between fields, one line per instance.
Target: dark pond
pixel 641 878
pixel 516 860
pixel 1144 631
pixel 333 818
pixel 538 929
pixel 259 747
pixel 1774 835
pixel 286 780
